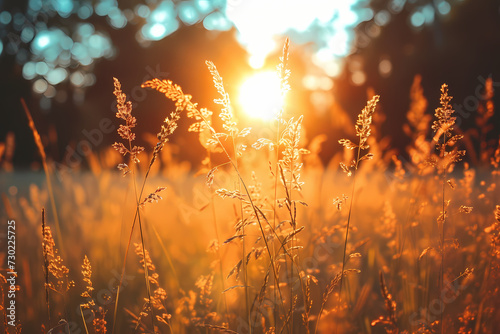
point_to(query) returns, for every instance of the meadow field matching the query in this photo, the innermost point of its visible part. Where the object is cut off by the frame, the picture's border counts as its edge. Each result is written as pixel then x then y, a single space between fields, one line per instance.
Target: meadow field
pixel 261 236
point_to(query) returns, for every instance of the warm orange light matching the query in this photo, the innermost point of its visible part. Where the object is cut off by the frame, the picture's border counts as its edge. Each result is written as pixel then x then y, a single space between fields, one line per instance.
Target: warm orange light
pixel 260 95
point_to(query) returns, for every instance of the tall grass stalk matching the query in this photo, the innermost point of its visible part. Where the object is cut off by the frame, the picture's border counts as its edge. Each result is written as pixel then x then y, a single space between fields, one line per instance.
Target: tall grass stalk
pixel 125 131
pixel 443 210
pixel 41 150
pixel 124 112
pixel 443 126
pixel 45 266
pixel 231 131
pixel 362 131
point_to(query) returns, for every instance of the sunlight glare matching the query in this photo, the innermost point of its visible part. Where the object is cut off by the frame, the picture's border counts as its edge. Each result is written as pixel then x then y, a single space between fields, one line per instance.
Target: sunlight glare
pixel 260 95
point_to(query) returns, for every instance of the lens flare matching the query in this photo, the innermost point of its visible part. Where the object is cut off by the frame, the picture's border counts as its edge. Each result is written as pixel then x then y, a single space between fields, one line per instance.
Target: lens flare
pixel 260 96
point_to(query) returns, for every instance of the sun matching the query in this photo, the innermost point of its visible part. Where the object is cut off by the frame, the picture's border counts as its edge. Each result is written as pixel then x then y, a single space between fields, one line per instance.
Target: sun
pixel 260 96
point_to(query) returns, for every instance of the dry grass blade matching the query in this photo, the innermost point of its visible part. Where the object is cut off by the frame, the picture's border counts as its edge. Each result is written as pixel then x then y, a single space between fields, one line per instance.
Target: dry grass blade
pixel 292 234
pixel 223 193
pixel 234 287
pixel 41 150
pixel 307 303
pixel 153 197
pixel 391 321
pixel 45 265
pixel 210 177
pixel 330 288
pixel 424 252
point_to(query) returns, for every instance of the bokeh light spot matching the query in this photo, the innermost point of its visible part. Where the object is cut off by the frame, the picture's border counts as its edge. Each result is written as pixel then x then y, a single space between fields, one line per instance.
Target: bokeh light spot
pixel 42 40
pixel 63 7
pixel 428 12
pixel 366 14
pixel 216 21
pixel 89 79
pixel 417 19
pixel 29 70
pixel 86 29
pixel 5 17
pixel 142 11
pixel 158 31
pixel 165 11
pixel 76 78
pixel 444 8
pixel 87 60
pixel 97 45
pixel 40 86
pixel 103 8
pixel 312 82
pixel 35 5
pixel 396 6
pixel 27 34
pixel 41 68
pixel 56 76
pixel 79 51
pixel 382 18
pixel 50 92
pixel 358 78
pixel 323 59
pixel 325 83
pixel 66 43
pixel 85 11
pixel 203 6
pixel 187 13
pixel 385 67
pixel 117 18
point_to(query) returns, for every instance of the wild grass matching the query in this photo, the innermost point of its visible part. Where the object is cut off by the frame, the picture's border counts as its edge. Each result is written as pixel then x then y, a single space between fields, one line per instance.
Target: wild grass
pixel 41 151
pixel 260 237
